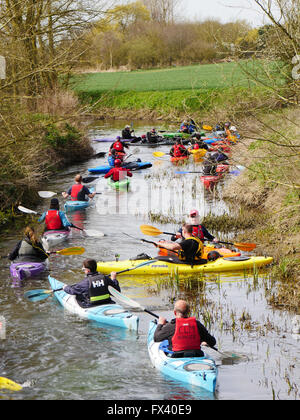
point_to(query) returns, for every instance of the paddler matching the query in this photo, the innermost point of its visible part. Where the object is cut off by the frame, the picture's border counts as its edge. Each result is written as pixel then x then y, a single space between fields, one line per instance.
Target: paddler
pixel 178 150
pixel 78 192
pixel 118 172
pixel 117 151
pixel 54 218
pixel 93 289
pixel 29 248
pixel 185 334
pixel 199 230
pixel 198 143
pixel 127 134
pixel 190 249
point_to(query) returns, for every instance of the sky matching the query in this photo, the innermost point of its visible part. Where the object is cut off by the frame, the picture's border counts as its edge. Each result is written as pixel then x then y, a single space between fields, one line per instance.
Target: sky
pixel 224 10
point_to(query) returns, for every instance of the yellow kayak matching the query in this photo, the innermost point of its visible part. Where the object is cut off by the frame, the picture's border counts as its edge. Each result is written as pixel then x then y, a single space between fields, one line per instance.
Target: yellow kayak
pixel 169 265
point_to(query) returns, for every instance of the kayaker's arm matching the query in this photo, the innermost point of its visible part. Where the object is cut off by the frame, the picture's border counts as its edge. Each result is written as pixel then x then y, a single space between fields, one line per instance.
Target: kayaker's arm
pixel 15 253
pixel 171 246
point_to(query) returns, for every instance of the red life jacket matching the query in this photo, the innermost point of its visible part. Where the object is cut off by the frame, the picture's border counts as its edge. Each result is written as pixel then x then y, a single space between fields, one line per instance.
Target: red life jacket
pixel 186 335
pixel 52 220
pixel 178 150
pixel 75 191
pixel 197 232
pixel 119 173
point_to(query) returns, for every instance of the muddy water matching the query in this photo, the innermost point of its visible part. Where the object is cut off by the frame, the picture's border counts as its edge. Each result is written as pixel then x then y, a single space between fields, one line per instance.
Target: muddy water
pixel 59 356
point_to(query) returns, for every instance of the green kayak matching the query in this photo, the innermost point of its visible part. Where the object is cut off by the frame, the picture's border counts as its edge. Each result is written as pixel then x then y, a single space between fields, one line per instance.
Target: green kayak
pixel 119 185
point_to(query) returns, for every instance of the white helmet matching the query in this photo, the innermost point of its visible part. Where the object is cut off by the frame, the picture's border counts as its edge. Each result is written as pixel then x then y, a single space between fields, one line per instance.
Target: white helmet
pixel 232 128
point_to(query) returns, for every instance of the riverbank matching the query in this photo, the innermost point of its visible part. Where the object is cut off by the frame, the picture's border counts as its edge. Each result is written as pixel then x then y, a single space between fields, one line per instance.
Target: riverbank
pixel 269 188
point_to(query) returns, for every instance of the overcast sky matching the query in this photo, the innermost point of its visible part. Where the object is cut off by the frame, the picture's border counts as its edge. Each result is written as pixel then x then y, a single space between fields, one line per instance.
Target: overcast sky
pixel 223 10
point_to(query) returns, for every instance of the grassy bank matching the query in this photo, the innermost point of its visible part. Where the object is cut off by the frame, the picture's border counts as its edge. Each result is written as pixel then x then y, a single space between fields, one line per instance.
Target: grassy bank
pixel 33 147
pixel 270 188
pixel 179 90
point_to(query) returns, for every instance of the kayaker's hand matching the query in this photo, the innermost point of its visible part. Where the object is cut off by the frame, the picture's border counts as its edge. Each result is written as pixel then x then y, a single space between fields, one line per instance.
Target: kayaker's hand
pixel 215 240
pixel 113 275
pixel 204 343
pixel 178 235
pixel 162 320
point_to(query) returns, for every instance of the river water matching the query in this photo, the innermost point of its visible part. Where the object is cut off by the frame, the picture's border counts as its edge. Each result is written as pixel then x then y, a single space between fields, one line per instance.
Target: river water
pixel 59 356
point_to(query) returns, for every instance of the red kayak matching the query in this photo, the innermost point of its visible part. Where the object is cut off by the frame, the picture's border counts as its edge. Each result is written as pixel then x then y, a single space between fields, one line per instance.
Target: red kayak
pixel 210 181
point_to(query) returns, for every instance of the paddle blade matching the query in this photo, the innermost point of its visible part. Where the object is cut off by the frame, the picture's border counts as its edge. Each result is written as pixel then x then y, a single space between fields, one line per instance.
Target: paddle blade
pixel 94 233
pixel 124 299
pixel 75 250
pixel 158 154
pixel 245 246
pixel 25 210
pixel 9 384
pixel 207 127
pixel 150 230
pixel 46 194
pixel 37 294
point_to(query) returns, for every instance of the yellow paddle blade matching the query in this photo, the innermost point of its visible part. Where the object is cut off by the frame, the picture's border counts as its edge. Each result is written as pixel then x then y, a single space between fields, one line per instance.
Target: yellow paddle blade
pixel 245 246
pixel 9 384
pixel 158 154
pixel 75 250
pixel 150 230
pixel 207 127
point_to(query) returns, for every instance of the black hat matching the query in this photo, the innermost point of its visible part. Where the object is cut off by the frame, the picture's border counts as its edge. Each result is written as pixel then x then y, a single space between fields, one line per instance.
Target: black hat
pixel 54 203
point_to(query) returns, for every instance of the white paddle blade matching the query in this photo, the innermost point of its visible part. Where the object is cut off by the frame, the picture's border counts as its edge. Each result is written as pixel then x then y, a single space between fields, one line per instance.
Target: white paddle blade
pixel 46 194
pixel 25 210
pixel 94 233
pixel 124 299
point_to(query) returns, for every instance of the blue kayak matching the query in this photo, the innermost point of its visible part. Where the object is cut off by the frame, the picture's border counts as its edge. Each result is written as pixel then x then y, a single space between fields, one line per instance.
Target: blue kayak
pixel 72 205
pixel 133 166
pixel 196 371
pixel 111 314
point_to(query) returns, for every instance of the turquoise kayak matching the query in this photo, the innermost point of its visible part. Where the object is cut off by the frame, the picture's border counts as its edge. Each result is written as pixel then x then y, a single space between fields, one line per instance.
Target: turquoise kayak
pixel 110 314
pixel 72 205
pixel 197 371
pixel 119 185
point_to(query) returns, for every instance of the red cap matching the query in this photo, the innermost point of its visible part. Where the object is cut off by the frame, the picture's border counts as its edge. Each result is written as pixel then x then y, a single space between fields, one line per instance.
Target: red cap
pixel 194 213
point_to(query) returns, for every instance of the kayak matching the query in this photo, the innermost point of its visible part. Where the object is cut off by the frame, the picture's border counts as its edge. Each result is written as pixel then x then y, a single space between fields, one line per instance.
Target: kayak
pixel 123 184
pixel 198 152
pixel 196 371
pixel 130 165
pixel 110 314
pixel 71 205
pixel 54 237
pixel 178 159
pixel 210 181
pixel 23 270
pixel 176 134
pixel 163 142
pixel 170 265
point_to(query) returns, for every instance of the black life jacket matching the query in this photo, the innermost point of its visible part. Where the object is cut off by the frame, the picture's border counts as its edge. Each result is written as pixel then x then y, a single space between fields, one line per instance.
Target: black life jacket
pixel 98 289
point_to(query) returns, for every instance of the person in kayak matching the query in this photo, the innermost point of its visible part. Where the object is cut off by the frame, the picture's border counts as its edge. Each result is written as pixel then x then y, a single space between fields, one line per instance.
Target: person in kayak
pixel 29 248
pixel 185 334
pixel 198 143
pixel 152 136
pixel 127 134
pixel 209 165
pixel 189 250
pixel 78 192
pixel 54 218
pixel 199 230
pixel 178 150
pixel 119 145
pixel 93 289
pixel 118 173
pixel 187 127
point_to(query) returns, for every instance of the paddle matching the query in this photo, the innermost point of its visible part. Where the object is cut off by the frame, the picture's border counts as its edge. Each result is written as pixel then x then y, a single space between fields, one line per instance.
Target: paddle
pixel 149 242
pixel 9 384
pixel 159 154
pixel 88 232
pixel 99 154
pixel 49 194
pixel 153 231
pixel 74 250
pixel 40 294
pixel 130 302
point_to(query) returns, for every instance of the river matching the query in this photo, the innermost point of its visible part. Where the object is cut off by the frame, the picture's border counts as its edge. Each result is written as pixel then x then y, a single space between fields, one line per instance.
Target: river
pixel 61 357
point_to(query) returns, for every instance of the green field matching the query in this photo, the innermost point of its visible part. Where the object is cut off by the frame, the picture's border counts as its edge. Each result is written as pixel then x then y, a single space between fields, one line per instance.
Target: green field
pixel 178 88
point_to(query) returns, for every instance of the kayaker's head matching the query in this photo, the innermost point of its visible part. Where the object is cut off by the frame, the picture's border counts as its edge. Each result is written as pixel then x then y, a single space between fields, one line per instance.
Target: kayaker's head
pixel 127 127
pixel 54 204
pixel 89 266
pixel 194 218
pixel 187 230
pixel 78 178
pixel 30 234
pixel 181 309
pixel 118 163
pixel 233 128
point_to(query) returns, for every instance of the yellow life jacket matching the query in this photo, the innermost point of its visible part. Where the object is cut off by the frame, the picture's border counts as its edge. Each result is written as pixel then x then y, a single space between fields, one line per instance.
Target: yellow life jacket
pixel 199 253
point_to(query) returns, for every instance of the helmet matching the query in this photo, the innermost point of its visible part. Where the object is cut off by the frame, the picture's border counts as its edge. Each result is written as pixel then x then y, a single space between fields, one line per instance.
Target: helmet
pixel 213 255
pixel 227 124
pixel 232 128
pixel 194 213
pixel 118 146
pixel 153 130
pixel 127 126
pixel 118 162
pixel 143 136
